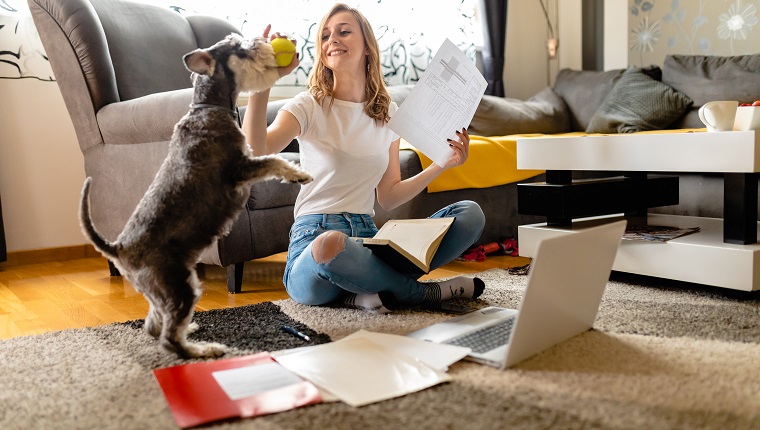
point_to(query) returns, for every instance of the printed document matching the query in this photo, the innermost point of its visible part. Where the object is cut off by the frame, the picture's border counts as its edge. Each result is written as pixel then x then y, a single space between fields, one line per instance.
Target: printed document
pixel 443 101
pixel 359 371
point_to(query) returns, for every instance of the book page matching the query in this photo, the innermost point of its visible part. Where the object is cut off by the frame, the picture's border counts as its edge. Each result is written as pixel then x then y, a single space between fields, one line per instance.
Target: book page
pixel 415 236
pixel 443 101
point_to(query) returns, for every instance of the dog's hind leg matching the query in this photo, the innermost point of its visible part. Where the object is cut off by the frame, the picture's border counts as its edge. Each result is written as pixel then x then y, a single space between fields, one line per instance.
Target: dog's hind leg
pixel 273 166
pixel 153 321
pixel 182 295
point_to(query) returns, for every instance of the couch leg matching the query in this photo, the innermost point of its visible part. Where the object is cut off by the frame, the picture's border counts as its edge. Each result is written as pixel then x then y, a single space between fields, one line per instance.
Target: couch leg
pixel 112 269
pixel 235 277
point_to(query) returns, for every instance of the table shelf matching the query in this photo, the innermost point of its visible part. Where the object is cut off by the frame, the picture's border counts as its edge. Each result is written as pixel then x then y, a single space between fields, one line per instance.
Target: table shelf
pixel 724 253
pixel 700 258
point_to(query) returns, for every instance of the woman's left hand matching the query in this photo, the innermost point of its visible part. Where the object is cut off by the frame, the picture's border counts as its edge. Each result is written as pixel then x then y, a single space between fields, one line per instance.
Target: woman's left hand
pixel 461 149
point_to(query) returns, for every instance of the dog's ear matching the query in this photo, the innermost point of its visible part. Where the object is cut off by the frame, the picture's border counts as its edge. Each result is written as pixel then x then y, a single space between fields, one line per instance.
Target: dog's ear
pixel 200 61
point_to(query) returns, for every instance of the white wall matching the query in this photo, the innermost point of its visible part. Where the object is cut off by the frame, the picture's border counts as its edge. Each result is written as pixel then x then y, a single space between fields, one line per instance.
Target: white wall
pixel 570 41
pixel 615 34
pixel 528 68
pixel 41 167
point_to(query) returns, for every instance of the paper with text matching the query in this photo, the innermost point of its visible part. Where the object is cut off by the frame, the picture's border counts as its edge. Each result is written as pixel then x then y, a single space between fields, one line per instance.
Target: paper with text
pixel 359 371
pixel 443 101
pixel 439 356
pixel 248 381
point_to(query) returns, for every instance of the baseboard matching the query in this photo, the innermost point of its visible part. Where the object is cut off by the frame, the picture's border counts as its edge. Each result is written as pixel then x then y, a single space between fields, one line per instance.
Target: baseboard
pixel 47 255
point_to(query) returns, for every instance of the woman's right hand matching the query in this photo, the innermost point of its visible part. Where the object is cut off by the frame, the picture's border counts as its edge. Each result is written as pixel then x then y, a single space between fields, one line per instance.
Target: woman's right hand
pixel 286 70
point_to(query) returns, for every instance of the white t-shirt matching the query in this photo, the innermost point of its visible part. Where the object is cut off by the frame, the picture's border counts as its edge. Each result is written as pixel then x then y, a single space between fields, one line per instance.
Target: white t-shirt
pixel 345 151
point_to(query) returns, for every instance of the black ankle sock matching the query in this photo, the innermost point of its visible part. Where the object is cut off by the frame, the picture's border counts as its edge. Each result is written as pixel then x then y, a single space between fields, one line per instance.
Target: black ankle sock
pixel 437 292
pixel 455 288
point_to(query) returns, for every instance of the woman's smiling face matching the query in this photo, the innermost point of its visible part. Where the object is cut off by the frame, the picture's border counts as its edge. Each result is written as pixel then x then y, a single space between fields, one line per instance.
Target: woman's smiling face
pixel 343 42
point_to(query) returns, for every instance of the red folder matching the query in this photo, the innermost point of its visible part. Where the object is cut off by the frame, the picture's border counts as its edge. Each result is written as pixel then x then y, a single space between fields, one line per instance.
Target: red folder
pixel 195 397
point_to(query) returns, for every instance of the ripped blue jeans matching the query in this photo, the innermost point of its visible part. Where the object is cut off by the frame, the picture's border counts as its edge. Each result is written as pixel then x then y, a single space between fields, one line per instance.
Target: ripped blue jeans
pixel 356 269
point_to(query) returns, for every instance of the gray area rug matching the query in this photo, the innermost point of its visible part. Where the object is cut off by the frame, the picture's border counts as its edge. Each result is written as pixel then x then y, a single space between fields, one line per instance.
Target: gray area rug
pixel 661 355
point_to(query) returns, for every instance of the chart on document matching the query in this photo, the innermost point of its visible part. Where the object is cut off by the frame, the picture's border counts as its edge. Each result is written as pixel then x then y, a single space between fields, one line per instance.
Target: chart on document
pixel 442 102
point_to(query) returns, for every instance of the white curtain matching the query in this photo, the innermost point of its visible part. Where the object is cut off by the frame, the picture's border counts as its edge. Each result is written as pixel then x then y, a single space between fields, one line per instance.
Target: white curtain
pixel 409 31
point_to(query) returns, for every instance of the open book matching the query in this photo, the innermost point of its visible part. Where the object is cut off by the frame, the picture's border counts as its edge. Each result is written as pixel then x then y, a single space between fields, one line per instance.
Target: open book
pixel 409 244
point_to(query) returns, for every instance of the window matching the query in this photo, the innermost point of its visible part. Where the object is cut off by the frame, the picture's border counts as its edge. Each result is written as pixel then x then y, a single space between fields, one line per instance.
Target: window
pixel 409 31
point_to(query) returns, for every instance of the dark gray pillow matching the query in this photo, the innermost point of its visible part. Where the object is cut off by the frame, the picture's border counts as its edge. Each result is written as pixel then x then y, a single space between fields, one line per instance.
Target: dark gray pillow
pixel 545 112
pixel 707 78
pixel 584 91
pixel 638 103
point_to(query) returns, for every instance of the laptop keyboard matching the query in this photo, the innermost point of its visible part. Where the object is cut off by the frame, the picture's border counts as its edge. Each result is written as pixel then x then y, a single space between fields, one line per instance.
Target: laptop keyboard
pixel 487 338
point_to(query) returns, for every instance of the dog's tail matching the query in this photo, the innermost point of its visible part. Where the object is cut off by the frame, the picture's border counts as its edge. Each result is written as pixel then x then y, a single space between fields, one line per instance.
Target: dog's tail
pixel 107 248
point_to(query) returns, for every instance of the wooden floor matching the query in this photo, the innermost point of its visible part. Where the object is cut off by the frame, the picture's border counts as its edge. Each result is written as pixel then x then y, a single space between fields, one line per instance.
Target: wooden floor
pixel 37 298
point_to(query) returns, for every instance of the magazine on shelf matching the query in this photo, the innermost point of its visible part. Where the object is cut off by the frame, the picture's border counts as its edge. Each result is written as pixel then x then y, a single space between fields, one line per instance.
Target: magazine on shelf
pixel 656 233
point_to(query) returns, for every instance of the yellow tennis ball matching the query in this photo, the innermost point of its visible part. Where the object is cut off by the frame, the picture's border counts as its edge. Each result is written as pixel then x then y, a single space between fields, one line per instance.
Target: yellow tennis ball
pixel 284 51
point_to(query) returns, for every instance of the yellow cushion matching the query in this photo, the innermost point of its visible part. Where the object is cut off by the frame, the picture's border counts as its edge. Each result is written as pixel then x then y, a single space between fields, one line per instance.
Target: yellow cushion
pixel 492 161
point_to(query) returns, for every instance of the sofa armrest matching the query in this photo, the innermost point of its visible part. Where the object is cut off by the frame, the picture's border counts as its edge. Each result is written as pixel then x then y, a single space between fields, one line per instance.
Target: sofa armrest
pixel 145 119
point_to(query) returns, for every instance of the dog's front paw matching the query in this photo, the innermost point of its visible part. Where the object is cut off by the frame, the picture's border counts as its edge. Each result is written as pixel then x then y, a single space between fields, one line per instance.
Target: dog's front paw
pixel 297 176
pixel 205 349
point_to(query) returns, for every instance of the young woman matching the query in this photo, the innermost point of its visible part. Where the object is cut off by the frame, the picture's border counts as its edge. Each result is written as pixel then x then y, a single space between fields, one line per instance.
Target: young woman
pixel 353 156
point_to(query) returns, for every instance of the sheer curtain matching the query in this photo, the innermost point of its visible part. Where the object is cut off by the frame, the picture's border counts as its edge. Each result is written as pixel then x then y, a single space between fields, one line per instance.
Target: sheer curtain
pixel 409 31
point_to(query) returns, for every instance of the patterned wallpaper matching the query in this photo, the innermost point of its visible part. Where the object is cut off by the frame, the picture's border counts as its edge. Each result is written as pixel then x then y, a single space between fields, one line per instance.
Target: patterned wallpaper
pixel 21 52
pixel 694 27
pixel 407 35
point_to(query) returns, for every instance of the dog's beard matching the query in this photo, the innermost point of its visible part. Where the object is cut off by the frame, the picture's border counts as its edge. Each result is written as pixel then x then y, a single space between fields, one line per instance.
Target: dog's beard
pixel 257 73
pixel 253 81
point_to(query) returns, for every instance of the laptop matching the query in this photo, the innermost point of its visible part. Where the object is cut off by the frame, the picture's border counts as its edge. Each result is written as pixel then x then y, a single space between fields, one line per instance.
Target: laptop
pixel 565 285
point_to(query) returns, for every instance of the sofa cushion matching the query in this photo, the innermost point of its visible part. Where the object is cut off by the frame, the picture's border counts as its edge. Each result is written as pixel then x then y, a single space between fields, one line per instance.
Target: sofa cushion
pixel 583 92
pixel 638 103
pixel 274 194
pixel 545 112
pixel 707 78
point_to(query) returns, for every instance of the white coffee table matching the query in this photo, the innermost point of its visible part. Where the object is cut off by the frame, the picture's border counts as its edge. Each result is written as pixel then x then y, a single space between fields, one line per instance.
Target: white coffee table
pixel 724 253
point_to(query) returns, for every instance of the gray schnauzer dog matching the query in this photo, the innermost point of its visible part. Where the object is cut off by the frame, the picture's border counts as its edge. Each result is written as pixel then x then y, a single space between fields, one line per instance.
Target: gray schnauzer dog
pixel 197 193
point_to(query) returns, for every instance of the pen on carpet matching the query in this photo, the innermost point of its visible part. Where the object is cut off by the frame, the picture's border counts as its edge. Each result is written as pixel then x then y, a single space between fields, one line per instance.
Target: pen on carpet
pixel 294 332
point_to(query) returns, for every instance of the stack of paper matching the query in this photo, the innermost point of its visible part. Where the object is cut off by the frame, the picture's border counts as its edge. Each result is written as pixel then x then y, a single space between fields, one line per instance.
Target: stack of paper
pixel 368 367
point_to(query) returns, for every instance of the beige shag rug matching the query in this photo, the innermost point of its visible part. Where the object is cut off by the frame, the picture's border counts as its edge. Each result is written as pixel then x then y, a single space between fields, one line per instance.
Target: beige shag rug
pixel 662 355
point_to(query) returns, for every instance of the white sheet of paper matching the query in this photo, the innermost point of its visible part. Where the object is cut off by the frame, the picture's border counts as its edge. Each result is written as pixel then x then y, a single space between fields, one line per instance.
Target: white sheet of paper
pixel 359 371
pixel 251 380
pixel 436 355
pixel 443 101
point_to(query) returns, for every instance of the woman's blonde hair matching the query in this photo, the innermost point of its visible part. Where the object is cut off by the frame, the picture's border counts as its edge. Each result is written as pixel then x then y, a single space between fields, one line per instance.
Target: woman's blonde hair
pixel 321 78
